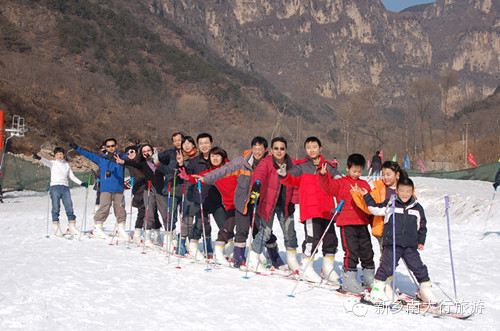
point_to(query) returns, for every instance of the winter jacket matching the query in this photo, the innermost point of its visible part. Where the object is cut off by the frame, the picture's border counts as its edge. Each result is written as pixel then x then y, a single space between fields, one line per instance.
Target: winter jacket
pixel 107 162
pixel 157 177
pixel 314 202
pixel 241 167
pixel 59 172
pixel 168 165
pixel 210 195
pixel 341 189
pixel 376 163
pixel 411 224
pixel 271 188
pixel 378 194
pixel 225 185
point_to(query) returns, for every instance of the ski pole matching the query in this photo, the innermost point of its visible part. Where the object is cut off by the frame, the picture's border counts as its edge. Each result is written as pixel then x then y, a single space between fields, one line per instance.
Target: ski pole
pixel 48 208
pixel 144 223
pixel 447 202
pixel 131 199
pixel 181 221
pixel 168 217
pixel 251 228
pixel 117 217
pixel 335 212
pixel 203 226
pixel 84 223
pixel 393 197
pixel 411 274
pixel 491 205
pixel 173 206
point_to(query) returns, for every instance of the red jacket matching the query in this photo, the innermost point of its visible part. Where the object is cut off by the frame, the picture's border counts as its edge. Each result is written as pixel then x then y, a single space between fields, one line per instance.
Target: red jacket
pixel 314 202
pixel 341 189
pixel 225 185
pixel 270 187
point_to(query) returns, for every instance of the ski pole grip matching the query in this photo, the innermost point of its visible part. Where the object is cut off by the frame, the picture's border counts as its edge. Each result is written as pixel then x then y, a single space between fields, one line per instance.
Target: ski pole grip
pixel 183 188
pixel 199 184
pixel 257 182
pixel 169 186
pixel 149 185
pixel 447 201
pixel 393 197
pixel 132 181
pixel 339 207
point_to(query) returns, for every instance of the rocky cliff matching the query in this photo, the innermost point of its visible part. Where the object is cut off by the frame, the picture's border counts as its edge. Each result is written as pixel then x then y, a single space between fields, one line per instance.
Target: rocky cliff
pixel 316 50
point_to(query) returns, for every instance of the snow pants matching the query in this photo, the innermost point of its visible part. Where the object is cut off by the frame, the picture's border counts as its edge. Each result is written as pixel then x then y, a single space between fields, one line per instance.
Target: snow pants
pixel 412 258
pixel 314 229
pixel 266 236
pixel 227 231
pixel 109 199
pixel 157 202
pixel 357 245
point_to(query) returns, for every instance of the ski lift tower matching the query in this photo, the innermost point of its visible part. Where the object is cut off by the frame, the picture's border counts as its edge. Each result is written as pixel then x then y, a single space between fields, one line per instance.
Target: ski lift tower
pixel 17 129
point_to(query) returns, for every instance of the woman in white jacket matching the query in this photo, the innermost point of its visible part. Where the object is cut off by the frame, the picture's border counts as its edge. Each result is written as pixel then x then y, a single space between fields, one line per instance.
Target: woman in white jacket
pixel 59 189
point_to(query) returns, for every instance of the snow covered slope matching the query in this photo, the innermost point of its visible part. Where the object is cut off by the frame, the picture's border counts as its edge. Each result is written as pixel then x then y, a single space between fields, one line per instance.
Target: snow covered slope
pixel 60 284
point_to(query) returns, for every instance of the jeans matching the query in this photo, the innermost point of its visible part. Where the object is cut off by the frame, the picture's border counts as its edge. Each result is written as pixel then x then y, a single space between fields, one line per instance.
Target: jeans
pixel 265 234
pixel 58 193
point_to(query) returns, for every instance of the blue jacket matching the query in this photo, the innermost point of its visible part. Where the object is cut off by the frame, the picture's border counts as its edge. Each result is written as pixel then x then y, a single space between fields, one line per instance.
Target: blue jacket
pixel 112 183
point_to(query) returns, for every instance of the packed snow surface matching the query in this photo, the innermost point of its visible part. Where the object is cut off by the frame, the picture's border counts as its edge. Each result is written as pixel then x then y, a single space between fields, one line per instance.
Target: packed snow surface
pixel 60 284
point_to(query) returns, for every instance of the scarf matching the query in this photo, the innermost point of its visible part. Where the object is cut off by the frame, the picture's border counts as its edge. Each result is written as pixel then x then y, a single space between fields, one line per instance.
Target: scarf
pixel 190 155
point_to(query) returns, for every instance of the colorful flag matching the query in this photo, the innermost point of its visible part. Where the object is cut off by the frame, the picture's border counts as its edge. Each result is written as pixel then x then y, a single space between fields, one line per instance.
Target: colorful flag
pixel 422 168
pixel 471 160
pixel 381 155
pixel 407 162
pixel 395 158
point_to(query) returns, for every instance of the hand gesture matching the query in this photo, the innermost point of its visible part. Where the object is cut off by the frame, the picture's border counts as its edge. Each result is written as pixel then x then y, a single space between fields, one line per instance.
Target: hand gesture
pixel 36 157
pixel 118 159
pixel 282 170
pixel 180 158
pixel 72 144
pixel 156 159
pixel 322 172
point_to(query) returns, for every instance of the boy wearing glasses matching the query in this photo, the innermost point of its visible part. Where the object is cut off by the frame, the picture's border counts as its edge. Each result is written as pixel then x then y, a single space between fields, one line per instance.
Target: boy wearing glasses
pixel 315 207
pixel 111 174
pixel 274 199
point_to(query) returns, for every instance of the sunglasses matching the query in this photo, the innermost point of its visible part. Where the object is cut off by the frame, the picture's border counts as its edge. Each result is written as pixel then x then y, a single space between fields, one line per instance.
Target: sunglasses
pixel 110 146
pixel 279 148
pixel 130 152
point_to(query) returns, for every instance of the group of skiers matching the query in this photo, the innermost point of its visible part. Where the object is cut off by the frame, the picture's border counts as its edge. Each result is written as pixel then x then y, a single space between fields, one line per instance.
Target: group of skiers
pixel 194 180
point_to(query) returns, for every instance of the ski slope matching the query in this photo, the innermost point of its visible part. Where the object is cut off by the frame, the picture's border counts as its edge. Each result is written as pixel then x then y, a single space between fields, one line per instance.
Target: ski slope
pixel 60 284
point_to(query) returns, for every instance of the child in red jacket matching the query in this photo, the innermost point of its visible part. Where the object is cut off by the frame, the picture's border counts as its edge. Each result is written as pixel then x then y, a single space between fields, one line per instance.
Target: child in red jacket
pixel 353 223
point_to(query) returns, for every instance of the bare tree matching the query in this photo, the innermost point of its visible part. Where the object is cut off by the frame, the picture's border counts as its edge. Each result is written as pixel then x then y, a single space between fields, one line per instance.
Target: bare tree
pixel 193 109
pixel 425 93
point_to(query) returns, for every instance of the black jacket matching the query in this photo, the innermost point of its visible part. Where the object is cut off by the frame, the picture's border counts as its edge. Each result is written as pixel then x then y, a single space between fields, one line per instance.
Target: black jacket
pixel 411 224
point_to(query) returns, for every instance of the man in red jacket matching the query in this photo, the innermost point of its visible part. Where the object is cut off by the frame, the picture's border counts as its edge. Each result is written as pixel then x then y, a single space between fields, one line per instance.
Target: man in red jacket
pixel 277 200
pixel 353 223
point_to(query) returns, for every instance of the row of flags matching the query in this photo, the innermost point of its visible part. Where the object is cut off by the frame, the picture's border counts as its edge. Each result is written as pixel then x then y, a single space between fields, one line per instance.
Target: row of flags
pixel 406 159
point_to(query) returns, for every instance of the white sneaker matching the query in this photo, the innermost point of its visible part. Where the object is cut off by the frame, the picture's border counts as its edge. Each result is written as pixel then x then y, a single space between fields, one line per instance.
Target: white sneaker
pixel 137 236
pixel 122 233
pixel 57 230
pixel 73 230
pixel 98 233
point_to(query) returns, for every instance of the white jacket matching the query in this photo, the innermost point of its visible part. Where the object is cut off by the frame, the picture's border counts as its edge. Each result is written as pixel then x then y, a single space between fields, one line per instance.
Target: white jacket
pixel 59 172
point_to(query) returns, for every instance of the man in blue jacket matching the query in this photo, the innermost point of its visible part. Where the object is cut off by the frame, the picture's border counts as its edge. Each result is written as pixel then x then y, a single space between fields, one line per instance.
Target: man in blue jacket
pixel 111 187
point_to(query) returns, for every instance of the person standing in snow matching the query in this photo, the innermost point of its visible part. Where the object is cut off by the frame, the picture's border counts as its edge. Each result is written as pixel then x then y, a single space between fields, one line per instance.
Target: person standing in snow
pixel 59 189
pixel 411 232
pixel 111 174
pixel 376 165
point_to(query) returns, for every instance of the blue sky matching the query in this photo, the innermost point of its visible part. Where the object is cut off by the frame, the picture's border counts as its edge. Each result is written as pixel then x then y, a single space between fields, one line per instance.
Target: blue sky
pixel 398 5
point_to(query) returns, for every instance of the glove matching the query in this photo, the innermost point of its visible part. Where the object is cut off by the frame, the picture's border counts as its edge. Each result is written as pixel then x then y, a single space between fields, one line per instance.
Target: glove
pixel 156 160
pixel 282 170
pixel 183 174
pixel 85 184
pixel 72 144
pixel 495 185
pixel 36 157
pixel 254 196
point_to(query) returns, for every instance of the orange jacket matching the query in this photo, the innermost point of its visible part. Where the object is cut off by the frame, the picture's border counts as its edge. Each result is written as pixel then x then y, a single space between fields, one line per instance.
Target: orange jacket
pixel 378 194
